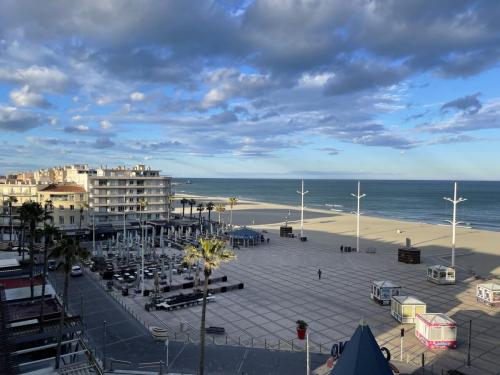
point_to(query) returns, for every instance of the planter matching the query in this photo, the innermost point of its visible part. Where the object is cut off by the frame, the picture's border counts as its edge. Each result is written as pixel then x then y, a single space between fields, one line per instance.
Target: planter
pixel 301 333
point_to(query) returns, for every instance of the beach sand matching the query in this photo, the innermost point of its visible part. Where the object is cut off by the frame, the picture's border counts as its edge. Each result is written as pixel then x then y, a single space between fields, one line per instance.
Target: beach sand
pixel 477 251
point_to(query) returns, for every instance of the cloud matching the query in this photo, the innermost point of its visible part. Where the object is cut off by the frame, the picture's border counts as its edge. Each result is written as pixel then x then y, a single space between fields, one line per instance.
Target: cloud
pixel 24 97
pixel 15 120
pixel 487 117
pixel 103 143
pixel 469 104
pixel 137 96
pixel 76 129
pixel 105 124
pixel 358 76
pixel 224 117
pixel 330 150
pixel 41 78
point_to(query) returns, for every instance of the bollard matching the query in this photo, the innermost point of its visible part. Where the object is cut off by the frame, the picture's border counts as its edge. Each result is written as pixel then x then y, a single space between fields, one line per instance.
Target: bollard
pixel 226 339
pixel 213 340
pixel 320 352
pixel 265 343
pixel 252 342
pixel 239 340
pixel 292 345
pixel 279 342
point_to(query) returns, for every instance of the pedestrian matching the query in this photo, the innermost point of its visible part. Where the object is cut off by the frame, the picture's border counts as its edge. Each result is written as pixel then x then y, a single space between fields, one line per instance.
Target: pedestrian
pixel 341 248
pixel 268 240
pixel 319 274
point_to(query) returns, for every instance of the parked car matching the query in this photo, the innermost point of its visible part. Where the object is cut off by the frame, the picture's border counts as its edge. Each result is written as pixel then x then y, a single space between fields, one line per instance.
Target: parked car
pixel 51 265
pixel 76 271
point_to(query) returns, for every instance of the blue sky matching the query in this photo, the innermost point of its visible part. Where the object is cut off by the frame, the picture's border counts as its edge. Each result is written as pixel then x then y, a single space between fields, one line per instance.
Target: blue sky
pixel 312 89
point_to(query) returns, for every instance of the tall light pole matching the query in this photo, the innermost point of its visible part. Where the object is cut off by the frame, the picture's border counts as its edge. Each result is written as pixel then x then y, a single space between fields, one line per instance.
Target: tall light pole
pixel 454 222
pixel 358 196
pixel 302 193
pixel 143 203
pixel 93 230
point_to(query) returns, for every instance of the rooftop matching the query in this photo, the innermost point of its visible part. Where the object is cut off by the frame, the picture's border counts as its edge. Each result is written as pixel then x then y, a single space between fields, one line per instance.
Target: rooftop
pixel 64 188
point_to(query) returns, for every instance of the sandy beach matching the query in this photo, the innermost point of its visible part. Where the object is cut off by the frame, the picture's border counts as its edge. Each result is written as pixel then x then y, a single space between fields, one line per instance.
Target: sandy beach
pixel 477 251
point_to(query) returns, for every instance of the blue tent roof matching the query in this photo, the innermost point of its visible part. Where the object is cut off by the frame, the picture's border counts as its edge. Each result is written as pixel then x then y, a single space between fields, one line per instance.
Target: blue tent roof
pixel 362 356
pixel 244 233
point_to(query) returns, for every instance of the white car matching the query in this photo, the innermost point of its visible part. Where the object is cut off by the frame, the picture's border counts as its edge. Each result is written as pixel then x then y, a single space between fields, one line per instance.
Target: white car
pixel 76 271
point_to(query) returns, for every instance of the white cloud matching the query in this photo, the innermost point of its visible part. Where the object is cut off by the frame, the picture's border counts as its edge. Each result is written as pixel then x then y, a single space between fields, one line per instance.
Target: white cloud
pixel 103 100
pixel 105 124
pixel 137 96
pixel 24 97
pixel 314 80
pixel 37 77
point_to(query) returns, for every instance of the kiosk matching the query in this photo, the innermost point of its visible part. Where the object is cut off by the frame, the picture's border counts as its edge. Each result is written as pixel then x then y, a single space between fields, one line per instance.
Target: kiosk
pixel 436 330
pixel 488 294
pixel 405 308
pixel 383 291
pixel 441 274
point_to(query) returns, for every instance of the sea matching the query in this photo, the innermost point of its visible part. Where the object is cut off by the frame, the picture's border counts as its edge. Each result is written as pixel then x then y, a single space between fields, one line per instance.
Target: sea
pixel 419 201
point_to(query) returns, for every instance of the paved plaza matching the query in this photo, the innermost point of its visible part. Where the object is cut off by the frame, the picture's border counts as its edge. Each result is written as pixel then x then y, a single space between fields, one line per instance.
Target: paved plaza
pixel 281 286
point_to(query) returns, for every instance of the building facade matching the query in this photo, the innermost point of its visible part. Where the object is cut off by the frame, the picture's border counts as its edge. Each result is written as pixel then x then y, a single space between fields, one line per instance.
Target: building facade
pixel 118 194
pixel 69 205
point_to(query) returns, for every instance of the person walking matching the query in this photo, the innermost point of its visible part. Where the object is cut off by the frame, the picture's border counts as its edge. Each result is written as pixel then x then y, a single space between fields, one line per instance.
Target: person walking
pixel 319 274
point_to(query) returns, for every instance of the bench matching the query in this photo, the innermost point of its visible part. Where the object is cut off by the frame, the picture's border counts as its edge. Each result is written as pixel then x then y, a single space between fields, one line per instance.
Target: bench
pixel 215 330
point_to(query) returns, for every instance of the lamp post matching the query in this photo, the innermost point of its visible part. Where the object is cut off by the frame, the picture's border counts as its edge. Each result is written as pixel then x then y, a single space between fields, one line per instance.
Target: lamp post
pixel 93 230
pixel 143 203
pixel 302 193
pixel 358 196
pixel 454 222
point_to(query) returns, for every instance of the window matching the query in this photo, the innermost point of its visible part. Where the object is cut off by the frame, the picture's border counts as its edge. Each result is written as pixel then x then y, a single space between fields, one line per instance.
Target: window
pixel 72 220
pixel 61 220
pixel 420 309
pixel 408 311
pixel 61 207
pixel 449 333
pixel 71 207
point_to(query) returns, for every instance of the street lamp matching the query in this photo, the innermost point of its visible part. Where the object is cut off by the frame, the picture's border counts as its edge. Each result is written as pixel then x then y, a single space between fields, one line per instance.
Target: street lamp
pixel 143 204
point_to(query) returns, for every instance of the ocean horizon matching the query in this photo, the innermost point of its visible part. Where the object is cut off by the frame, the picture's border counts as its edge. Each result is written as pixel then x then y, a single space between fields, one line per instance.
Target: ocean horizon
pixel 409 200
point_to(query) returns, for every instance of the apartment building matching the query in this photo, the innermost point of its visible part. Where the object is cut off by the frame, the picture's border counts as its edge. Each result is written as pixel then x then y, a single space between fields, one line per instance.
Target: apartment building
pixel 69 202
pixel 115 194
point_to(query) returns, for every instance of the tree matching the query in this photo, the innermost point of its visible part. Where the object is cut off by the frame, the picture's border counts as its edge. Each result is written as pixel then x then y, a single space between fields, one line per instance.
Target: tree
pixel 184 201
pixel 211 252
pixel 11 200
pixel 232 203
pixel 200 208
pixel 68 252
pixel 191 203
pixel 31 213
pixel 220 208
pixel 49 232
pixel 210 206
pixel 83 206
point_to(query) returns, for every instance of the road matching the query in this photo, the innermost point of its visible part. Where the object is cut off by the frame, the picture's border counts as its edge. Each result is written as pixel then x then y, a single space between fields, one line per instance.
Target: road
pixel 128 340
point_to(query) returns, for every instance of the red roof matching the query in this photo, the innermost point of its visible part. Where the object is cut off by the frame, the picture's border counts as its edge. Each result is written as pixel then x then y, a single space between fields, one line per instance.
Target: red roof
pixel 63 188
pixel 20 283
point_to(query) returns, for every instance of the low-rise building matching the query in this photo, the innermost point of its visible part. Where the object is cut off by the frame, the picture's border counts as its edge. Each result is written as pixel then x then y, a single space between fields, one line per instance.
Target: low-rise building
pixel 69 202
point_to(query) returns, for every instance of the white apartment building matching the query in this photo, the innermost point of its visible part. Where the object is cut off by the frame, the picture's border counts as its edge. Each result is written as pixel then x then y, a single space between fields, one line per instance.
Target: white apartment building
pixel 115 194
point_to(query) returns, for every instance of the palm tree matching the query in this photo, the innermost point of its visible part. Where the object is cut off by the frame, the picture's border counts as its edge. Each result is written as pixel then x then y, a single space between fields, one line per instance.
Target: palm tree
pixel 200 208
pixel 184 201
pixel 11 200
pixel 69 252
pixel 232 203
pixel 83 206
pixel 191 203
pixel 212 252
pixel 210 206
pixel 31 213
pixel 220 208
pixel 49 232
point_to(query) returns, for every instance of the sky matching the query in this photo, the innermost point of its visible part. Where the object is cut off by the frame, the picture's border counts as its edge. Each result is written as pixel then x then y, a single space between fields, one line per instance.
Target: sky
pixel 266 89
